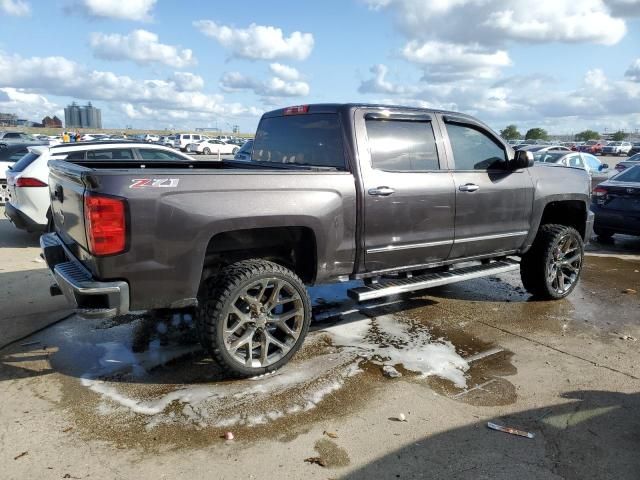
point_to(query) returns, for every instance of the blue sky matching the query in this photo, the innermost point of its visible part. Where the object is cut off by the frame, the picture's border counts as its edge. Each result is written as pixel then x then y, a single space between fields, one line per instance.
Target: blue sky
pixel 562 64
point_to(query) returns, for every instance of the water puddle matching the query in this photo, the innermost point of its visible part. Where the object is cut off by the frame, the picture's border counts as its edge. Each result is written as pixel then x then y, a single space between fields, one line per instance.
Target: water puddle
pixel 141 383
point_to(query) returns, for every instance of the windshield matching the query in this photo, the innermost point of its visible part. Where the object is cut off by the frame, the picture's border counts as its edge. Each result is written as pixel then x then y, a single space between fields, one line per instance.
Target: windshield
pixel 313 140
pixel 592 142
pixel 633 158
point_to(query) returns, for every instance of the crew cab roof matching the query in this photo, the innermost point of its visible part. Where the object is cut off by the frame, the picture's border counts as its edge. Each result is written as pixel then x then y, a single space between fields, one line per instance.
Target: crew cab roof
pixel 340 107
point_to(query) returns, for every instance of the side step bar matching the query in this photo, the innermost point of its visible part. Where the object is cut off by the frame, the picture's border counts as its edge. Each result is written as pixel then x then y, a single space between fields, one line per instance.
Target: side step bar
pixel 394 287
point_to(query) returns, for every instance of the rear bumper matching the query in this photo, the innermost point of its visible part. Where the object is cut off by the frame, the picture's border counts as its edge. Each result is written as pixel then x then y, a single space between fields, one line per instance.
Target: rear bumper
pixel 90 298
pixel 21 220
pixel 616 220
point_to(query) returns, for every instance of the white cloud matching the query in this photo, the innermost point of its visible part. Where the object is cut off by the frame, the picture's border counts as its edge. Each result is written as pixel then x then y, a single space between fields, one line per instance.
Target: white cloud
pixel 63 77
pixel 31 106
pixel 258 42
pixel 624 8
pixel 519 99
pixel 545 21
pixel 140 46
pixel 284 72
pixel 447 61
pixel 271 88
pixel 138 10
pixel 187 82
pixel 494 22
pixel 633 72
pixel 380 84
pixel 18 8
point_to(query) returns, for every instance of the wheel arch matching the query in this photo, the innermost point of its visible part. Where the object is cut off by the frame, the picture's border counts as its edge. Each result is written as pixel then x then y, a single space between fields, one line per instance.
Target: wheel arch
pixel 294 247
pixel 563 211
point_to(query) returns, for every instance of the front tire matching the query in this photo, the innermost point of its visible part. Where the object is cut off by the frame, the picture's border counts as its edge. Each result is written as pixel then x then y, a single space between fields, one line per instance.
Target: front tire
pixel 253 317
pixel 207 151
pixel 552 267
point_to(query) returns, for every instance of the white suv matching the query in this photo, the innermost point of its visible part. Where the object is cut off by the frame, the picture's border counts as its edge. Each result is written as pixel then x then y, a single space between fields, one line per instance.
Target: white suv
pixel 27 180
pixel 181 140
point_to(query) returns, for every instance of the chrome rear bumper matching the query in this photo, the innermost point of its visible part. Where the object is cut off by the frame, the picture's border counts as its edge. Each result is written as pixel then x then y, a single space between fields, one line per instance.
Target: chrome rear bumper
pixel 90 298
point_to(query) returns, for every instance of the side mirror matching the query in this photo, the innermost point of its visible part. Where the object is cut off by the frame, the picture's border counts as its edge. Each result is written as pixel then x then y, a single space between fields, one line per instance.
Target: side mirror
pixel 522 159
pixel 604 166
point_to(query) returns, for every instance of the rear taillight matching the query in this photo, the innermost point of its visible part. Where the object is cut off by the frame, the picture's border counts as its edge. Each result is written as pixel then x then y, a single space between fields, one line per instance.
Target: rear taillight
pixel 106 224
pixel 600 192
pixel 29 182
pixel 296 110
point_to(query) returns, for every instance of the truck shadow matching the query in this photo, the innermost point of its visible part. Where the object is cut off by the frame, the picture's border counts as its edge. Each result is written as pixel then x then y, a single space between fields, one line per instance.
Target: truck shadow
pixel 11 237
pixel 594 435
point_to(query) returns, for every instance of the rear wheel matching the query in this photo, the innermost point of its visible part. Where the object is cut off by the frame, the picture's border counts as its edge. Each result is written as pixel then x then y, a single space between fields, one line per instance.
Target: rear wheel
pixel 253 317
pixel 551 268
pixel 207 151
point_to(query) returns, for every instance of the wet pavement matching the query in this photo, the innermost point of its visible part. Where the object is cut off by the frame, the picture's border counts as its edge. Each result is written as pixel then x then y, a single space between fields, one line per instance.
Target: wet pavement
pixel 481 348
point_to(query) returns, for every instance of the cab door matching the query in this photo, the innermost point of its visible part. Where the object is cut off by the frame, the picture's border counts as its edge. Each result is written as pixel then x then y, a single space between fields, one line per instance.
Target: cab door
pixel 409 198
pixel 494 203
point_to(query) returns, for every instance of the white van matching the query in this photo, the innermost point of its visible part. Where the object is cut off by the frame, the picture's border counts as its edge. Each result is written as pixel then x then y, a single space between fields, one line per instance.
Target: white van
pixel 181 140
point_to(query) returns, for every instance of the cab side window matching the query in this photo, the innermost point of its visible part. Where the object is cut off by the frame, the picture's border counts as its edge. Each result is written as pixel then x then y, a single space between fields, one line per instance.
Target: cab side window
pixel 78 155
pixel 475 150
pixel 402 145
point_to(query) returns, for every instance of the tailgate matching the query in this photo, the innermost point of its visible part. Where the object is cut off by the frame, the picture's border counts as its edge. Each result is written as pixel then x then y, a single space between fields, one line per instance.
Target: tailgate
pixel 66 190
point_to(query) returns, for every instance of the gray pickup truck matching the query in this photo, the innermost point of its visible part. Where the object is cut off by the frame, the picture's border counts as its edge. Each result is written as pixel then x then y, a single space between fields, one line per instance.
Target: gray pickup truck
pixel 401 198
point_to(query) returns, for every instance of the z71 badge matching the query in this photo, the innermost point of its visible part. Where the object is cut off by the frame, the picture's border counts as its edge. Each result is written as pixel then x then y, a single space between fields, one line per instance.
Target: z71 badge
pixel 154 182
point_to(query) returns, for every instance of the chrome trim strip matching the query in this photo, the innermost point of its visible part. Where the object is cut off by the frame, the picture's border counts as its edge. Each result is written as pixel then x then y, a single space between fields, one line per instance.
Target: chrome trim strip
pixel 492 237
pixel 393 248
pixel 409 246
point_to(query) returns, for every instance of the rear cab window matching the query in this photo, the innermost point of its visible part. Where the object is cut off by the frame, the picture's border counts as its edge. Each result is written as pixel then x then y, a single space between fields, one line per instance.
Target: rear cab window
pixel 309 139
pixel 402 145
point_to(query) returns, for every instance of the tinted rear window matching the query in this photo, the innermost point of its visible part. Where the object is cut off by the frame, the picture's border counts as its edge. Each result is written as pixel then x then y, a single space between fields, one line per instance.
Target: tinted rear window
pixel 24 162
pixel 310 139
pixel 630 175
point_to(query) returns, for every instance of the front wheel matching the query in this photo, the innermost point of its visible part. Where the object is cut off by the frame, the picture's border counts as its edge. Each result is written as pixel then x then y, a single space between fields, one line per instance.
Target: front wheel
pixel 207 151
pixel 551 268
pixel 253 317
pixel 234 151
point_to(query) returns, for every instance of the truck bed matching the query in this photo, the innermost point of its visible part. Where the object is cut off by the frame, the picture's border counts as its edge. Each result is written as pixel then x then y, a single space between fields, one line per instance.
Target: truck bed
pixel 174 211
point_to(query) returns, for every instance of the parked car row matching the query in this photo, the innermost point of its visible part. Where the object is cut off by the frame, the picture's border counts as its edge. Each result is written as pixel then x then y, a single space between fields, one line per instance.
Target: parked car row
pixel 598 171
pixel 594 147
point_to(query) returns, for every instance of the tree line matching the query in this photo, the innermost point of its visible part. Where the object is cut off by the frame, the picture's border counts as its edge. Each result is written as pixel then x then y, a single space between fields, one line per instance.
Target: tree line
pixel 510 132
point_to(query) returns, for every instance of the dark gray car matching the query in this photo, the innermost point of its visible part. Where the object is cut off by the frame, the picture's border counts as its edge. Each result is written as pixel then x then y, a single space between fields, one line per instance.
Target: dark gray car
pixel 401 198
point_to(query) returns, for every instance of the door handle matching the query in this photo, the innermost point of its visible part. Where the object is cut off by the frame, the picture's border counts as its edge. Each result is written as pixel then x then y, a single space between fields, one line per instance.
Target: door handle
pixel 381 191
pixel 468 187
